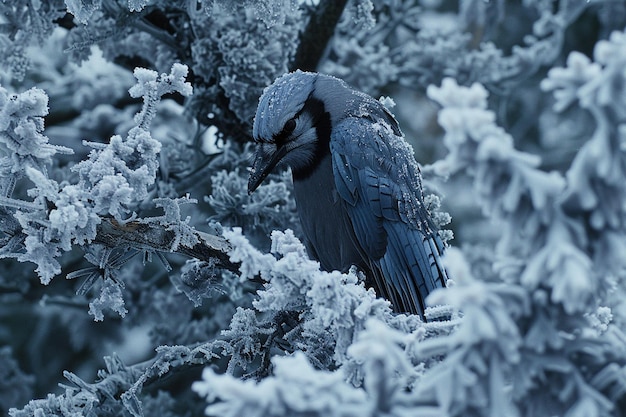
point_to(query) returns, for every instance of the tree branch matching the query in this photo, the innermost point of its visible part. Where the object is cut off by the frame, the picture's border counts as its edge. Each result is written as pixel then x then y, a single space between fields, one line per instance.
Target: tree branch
pixel 317 34
pixel 152 236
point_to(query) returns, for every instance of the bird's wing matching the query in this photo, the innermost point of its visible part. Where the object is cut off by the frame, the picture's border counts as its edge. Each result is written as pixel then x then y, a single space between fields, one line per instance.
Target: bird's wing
pixel 377 177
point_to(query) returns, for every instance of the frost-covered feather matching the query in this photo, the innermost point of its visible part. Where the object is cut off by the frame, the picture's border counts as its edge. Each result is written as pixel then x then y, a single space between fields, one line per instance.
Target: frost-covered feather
pixel 386 209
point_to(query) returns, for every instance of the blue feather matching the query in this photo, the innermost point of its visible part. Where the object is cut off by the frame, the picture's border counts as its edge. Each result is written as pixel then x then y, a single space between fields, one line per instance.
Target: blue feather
pixel 385 190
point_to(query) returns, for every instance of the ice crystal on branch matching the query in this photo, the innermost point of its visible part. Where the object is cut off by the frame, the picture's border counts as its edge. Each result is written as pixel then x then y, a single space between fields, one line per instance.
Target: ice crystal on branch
pixel 112 181
pixel 296 389
pixel 83 9
pixel 559 280
pixel 21 130
pixel 151 87
pixel 110 298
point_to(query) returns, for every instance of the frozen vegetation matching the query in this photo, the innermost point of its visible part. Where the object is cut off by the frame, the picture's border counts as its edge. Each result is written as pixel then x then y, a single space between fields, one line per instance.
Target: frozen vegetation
pixel 139 278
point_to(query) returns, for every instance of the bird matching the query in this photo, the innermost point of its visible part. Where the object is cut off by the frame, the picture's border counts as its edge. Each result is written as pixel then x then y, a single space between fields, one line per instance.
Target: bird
pixel 356 183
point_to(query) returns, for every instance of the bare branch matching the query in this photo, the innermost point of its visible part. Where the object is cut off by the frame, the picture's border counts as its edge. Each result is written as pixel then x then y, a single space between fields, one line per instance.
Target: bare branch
pixel 317 34
pixel 157 237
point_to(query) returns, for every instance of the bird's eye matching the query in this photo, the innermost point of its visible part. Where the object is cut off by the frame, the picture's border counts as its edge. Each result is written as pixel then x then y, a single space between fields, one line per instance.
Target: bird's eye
pixel 284 134
pixel 290 126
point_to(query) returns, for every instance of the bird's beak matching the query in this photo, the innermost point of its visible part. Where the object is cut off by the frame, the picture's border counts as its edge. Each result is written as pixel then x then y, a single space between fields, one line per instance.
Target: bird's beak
pixel 261 167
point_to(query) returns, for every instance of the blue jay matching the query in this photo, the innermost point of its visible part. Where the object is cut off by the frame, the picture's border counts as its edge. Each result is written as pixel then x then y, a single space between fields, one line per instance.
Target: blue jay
pixel 356 183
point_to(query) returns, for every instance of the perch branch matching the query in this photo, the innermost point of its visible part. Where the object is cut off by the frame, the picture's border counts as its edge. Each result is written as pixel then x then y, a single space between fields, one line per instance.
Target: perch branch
pixel 157 237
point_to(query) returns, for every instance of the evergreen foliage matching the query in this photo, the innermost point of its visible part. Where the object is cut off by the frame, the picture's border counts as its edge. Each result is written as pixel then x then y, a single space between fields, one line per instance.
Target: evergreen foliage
pixel 124 139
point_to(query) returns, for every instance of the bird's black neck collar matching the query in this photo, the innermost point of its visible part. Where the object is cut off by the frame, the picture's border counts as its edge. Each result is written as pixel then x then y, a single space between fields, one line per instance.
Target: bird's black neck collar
pixel 321 121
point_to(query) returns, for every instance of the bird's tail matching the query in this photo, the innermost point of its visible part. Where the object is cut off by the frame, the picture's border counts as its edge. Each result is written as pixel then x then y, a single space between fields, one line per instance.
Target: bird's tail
pixel 410 269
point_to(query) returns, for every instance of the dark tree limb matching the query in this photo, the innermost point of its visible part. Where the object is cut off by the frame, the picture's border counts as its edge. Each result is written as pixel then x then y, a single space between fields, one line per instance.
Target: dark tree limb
pixel 156 237
pixel 318 32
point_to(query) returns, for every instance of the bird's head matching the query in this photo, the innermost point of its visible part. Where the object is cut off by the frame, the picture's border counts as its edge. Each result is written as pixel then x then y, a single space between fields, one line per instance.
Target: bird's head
pixel 291 126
